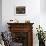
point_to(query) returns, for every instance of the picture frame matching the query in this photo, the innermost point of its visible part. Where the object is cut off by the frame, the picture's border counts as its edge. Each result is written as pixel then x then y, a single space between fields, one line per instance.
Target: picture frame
pixel 20 9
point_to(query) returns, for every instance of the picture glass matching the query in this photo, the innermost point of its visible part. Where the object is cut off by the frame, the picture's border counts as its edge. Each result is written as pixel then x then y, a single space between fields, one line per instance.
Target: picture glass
pixel 20 10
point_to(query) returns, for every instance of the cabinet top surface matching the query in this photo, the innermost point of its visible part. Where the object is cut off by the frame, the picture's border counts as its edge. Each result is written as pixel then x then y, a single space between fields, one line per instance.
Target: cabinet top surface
pixel 19 23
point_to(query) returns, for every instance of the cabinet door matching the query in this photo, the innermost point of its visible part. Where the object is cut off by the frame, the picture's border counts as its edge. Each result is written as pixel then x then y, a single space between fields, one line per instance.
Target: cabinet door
pixel 20 37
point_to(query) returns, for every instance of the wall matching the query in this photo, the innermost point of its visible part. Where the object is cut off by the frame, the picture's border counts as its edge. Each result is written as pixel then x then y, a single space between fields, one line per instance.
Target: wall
pixel 33 13
pixel 43 6
pixel 43 14
pixel 0 15
pixel 32 10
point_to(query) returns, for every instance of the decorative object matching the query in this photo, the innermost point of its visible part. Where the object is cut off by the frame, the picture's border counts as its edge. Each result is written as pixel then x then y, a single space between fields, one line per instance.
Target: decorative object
pixel 20 9
pixel 27 21
pixel 13 21
pixel 41 36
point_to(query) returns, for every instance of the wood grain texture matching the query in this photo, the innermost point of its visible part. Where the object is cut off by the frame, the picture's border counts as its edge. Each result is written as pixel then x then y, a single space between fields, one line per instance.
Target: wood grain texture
pixel 23 27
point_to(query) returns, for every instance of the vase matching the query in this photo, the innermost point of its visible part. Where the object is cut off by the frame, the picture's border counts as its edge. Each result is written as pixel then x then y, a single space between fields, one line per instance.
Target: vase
pixel 41 43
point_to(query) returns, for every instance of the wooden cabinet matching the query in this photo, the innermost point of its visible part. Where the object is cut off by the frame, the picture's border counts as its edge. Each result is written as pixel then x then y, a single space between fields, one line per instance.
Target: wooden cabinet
pixel 22 33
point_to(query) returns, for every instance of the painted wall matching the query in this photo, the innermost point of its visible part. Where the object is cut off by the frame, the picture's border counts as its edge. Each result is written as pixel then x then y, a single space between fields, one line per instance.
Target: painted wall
pixel 43 6
pixel 0 15
pixel 33 13
pixel 32 10
pixel 43 14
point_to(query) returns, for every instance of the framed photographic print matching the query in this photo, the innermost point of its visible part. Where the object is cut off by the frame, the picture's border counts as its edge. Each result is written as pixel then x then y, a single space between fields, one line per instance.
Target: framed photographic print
pixel 20 9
